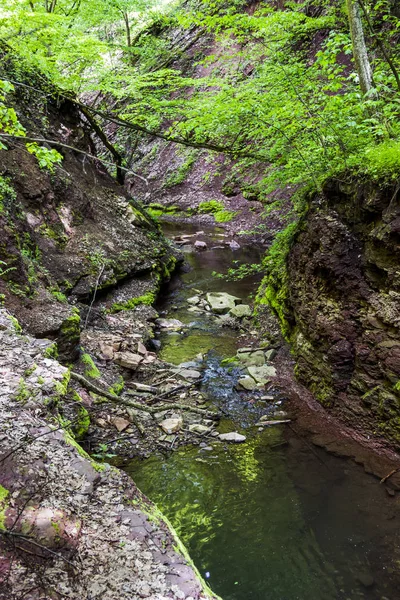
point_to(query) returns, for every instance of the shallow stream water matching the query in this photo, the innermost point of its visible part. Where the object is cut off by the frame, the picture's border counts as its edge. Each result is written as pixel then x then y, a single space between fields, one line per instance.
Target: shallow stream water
pixel 274 518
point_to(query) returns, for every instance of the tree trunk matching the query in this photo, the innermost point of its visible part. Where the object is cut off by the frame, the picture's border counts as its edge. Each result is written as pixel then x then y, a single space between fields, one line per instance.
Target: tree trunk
pixel 359 48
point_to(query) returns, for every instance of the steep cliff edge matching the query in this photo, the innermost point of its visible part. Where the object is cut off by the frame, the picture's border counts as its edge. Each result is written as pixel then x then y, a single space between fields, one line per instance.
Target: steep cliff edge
pixel 69 232
pixel 343 299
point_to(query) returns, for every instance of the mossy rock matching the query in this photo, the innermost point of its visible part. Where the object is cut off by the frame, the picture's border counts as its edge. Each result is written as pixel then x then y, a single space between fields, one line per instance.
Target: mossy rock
pixel 69 337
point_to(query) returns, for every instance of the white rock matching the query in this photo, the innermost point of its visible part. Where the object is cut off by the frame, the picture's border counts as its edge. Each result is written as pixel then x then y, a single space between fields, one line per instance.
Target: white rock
pixel 221 302
pixel 129 360
pixel 262 374
pixel 232 436
pixel 200 245
pixel 171 425
pixel 172 324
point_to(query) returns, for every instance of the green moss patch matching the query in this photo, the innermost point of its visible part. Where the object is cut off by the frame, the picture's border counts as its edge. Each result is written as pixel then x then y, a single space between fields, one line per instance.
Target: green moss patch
pixel 3 506
pixel 147 298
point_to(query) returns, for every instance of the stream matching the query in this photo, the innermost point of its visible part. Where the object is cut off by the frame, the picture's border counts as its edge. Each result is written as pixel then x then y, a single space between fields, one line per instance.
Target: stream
pixel 273 518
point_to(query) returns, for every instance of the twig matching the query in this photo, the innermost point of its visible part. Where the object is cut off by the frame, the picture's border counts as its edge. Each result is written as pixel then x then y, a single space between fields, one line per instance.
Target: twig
pixel 389 475
pixel 30 540
pixel 94 295
pixel 170 393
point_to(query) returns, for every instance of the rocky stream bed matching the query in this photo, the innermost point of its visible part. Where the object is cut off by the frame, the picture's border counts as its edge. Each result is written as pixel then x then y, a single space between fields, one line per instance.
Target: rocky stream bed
pixel 206 419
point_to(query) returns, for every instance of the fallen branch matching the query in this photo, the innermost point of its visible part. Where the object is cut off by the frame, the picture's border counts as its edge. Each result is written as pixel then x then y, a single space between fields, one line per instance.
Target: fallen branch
pixel 170 392
pixel 94 388
pixel 389 475
pixel 27 538
pixel 143 407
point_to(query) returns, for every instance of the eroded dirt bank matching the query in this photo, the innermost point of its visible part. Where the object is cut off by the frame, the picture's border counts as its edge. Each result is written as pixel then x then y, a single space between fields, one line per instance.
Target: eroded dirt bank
pixel 343 305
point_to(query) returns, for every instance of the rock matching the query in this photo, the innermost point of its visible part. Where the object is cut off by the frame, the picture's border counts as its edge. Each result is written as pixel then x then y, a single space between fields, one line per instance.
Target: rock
pixel 251 359
pixel 190 374
pixel 128 360
pixel 141 348
pixel 247 383
pixel 195 309
pixel 221 302
pixel 194 300
pixel 189 364
pixel 233 436
pixel 365 578
pixel 233 245
pixel 156 344
pixel 172 324
pixel 199 245
pixel 262 374
pixel 149 359
pixel 107 351
pixel 280 414
pixel 270 354
pixel 199 429
pixel 240 311
pixel 120 424
pixel 172 425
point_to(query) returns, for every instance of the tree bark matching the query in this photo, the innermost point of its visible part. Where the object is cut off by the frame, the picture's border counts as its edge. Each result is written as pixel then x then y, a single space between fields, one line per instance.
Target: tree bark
pixel 359 47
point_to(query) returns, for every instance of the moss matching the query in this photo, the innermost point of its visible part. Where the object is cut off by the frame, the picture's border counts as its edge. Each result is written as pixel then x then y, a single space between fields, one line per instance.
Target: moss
pixel 179 175
pixel 90 368
pixel 57 236
pixel 70 329
pixel 31 370
pixel 82 423
pixel 59 296
pixel 23 393
pixel 72 442
pixel 14 321
pixel 224 216
pixel 51 352
pixel 3 507
pixel 117 387
pixel 210 207
pixel 147 299
pixel 62 386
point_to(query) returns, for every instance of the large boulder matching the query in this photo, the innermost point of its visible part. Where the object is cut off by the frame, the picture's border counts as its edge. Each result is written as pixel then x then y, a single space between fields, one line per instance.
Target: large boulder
pixel 221 302
pixel 262 374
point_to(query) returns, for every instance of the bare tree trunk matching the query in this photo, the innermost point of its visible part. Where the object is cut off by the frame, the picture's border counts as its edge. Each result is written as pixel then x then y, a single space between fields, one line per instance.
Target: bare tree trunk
pixel 359 47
